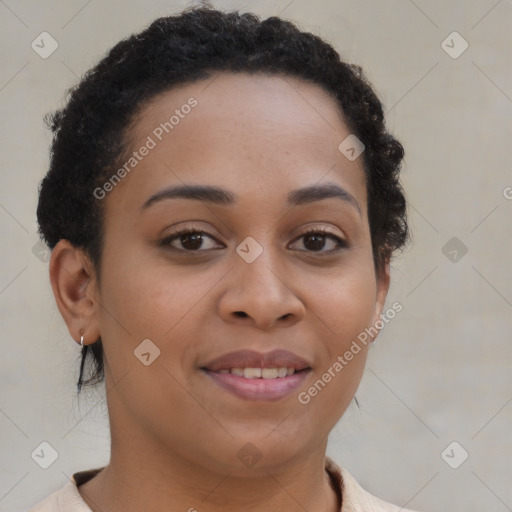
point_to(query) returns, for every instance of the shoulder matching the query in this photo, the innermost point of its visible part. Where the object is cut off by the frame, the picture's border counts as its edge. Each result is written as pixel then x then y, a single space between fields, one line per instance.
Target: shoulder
pixel 67 498
pixel 354 497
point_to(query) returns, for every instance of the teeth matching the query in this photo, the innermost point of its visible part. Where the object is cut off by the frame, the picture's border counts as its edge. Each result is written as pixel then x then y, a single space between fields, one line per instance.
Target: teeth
pixel 260 373
pixel 252 373
pixel 269 373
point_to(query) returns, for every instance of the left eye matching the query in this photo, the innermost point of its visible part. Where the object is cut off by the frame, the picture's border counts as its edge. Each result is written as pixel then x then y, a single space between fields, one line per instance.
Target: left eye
pixel 315 241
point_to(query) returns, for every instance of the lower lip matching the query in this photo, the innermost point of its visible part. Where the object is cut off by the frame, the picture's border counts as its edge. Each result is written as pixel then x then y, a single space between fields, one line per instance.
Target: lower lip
pixel 258 389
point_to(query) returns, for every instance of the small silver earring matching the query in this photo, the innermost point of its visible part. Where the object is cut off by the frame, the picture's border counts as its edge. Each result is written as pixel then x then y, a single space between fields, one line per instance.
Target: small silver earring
pixel 81 341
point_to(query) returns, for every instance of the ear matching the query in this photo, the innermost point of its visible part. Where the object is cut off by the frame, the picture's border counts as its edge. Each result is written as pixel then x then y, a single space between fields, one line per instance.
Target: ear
pixel 383 280
pixel 75 289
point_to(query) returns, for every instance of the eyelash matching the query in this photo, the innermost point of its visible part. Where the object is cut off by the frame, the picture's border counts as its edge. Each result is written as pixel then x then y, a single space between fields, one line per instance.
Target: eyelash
pixel 341 244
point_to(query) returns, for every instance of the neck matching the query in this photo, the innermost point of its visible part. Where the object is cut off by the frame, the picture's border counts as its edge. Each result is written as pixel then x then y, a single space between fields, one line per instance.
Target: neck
pixel 147 478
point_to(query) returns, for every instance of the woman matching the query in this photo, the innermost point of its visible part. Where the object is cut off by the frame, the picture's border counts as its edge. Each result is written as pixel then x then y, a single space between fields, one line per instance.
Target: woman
pixel 222 205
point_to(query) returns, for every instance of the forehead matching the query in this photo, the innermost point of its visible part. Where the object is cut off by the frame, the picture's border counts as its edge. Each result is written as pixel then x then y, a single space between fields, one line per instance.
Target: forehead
pixel 255 132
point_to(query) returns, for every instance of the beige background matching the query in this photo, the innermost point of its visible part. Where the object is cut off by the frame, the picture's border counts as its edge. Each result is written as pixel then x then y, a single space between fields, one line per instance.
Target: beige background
pixel 441 370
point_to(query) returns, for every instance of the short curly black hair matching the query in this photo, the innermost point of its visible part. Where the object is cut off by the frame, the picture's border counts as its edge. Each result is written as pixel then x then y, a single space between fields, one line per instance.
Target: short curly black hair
pixel 91 133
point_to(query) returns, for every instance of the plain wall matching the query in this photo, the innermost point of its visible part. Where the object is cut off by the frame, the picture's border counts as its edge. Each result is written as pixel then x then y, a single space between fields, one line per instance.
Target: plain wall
pixel 439 372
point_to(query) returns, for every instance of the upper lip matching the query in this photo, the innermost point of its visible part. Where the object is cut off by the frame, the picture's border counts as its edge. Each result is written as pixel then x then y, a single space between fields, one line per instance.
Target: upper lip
pixel 252 359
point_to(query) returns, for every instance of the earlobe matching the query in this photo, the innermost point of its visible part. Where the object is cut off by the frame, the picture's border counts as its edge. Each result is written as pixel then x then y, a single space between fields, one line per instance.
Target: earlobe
pixel 75 288
pixel 383 281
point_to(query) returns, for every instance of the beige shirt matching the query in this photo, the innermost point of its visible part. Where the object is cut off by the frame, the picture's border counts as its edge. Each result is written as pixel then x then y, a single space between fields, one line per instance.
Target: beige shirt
pixel 355 498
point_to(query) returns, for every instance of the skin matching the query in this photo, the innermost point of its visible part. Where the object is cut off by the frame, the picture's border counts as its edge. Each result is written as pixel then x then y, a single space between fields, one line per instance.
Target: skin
pixel 260 137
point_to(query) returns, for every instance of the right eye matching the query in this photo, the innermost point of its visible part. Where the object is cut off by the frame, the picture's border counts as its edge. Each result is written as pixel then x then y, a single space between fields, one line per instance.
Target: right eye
pixel 190 240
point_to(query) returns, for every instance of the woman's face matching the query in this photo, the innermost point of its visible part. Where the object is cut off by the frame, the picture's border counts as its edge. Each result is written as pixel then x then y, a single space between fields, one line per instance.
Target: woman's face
pixel 248 280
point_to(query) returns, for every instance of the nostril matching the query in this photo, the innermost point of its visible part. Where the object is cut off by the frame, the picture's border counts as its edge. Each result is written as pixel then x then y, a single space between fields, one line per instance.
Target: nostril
pixel 241 313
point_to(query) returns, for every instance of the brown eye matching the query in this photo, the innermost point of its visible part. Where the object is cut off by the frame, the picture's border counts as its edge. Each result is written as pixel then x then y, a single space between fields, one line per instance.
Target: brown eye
pixel 321 241
pixel 190 240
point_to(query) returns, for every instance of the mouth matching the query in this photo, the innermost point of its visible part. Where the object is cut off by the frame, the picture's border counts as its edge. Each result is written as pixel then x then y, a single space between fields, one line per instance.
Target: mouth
pixel 251 375
pixel 260 373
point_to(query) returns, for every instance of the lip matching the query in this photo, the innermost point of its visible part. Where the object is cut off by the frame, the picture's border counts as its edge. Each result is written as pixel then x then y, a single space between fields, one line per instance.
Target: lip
pixel 258 389
pixel 252 359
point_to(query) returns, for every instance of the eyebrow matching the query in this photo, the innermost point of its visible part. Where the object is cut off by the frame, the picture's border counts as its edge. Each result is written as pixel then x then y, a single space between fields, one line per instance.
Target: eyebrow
pixel 217 195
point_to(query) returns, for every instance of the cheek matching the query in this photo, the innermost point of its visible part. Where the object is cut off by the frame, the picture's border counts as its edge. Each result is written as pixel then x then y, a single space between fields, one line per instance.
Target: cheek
pixel 343 307
pixel 146 299
pixel 148 294
pixel 341 310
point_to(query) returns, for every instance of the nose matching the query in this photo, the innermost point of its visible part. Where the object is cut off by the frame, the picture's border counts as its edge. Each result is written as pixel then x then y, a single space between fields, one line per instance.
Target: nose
pixel 260 294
